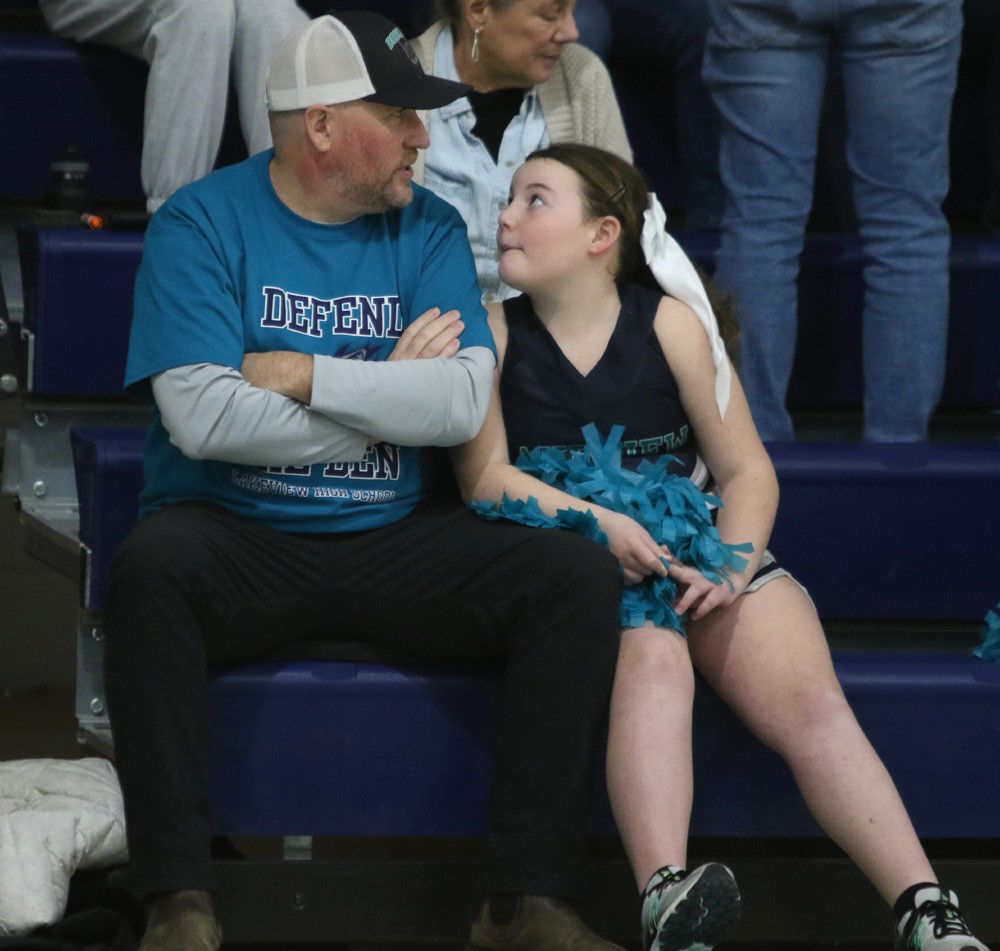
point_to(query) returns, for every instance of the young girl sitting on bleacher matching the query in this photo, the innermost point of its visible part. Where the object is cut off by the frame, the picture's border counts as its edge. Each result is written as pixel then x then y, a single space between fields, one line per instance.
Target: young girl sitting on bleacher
pixel 602 337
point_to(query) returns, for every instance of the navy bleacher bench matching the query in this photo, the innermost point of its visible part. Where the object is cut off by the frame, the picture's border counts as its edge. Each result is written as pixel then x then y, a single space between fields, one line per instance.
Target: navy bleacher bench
pixel 319 719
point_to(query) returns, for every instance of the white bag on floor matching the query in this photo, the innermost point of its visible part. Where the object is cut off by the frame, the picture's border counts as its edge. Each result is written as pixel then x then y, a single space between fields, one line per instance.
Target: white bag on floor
pixel 56 816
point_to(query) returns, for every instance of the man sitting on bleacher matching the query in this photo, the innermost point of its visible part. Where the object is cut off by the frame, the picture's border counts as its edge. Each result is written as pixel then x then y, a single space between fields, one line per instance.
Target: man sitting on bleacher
pixel 298 488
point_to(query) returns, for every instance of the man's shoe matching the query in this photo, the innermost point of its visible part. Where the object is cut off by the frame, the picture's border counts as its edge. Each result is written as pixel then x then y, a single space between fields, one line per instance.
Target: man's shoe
pixel 693 911
pixel 537 924
pixel 935 924
pixel 182 921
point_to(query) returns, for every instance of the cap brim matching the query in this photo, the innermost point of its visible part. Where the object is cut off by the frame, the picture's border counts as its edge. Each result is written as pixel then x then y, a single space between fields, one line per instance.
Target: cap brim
pixel 427 92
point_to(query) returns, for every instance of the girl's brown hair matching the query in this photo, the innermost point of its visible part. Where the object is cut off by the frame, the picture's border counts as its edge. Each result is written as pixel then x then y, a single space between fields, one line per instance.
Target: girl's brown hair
pixel 611 186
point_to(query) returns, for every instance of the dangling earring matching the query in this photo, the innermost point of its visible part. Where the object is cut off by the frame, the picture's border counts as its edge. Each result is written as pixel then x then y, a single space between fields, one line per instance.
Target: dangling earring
pixel 475 43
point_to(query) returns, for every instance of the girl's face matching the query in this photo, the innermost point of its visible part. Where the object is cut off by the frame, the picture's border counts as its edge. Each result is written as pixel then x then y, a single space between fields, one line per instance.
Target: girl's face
pixel 543 234
pixel 521 43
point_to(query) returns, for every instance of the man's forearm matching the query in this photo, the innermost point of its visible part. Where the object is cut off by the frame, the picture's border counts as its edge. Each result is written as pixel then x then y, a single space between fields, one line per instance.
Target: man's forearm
pixel 439 402
pixel 211 412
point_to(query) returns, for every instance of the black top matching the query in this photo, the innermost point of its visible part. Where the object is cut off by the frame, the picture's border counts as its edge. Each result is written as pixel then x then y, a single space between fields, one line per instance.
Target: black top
pixel 547 401
pixel 494 111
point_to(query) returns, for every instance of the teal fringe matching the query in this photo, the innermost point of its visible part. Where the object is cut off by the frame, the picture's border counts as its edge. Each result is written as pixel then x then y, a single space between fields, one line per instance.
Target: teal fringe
pixel 990 631
pixel 670 507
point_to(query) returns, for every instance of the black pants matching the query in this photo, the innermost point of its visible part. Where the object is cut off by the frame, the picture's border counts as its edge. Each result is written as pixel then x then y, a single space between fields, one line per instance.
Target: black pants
pixel 195 585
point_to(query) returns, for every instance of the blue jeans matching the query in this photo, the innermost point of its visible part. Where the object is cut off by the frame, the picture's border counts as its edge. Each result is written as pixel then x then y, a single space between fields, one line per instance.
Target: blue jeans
pixel 667 38
pixel 766 66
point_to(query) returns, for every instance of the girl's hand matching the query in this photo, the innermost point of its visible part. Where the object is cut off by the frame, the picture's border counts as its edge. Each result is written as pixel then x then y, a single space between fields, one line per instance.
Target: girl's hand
pixel 633 546
pixel 699 595
pixel 432 334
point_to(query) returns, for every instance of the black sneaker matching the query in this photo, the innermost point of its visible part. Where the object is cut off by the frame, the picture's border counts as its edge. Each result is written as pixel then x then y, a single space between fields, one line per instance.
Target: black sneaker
pixel 689 913
pixel 935 924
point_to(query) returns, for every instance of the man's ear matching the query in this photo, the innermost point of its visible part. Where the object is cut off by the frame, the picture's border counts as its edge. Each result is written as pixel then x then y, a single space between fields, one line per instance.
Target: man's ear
pixel 606 231
pixel 319 127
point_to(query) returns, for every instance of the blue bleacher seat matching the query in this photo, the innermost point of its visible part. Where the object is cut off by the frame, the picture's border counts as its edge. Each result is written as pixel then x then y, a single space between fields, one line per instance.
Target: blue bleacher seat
pixel 320 720
pixel 433 726
pixel 890 531
pixel 856 523
pixel 77 287
pixel 973 375
pixel 107 462
pixel 101 94
pixel 827 370
pixel 76 281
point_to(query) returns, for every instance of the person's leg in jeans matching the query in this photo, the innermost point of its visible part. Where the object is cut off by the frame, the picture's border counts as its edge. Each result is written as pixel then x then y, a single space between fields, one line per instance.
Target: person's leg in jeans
pixel 669 39
pixel 766 66
pixel 900 64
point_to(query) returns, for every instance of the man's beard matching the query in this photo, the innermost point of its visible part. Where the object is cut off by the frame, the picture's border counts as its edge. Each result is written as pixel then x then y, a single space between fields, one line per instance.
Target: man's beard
pixel 378 198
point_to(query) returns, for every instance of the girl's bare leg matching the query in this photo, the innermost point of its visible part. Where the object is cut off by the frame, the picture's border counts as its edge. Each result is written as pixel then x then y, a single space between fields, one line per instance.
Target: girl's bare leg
pixel 649 749
pixel 766 655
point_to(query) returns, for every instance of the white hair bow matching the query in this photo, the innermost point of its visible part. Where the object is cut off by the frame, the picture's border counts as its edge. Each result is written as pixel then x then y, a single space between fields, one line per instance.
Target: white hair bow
pixel 678 278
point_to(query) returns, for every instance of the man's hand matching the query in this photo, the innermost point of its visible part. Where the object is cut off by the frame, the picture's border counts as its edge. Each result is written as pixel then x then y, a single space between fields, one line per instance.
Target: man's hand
pixel 282 371
pixel 432 334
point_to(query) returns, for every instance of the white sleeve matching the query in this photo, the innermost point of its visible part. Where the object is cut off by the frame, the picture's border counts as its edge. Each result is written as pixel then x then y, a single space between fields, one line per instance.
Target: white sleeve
pixel 439 402
pixel 211 412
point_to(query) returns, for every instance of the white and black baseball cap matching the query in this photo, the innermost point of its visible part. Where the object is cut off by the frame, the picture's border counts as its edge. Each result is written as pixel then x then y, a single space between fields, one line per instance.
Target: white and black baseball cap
pixel 352 55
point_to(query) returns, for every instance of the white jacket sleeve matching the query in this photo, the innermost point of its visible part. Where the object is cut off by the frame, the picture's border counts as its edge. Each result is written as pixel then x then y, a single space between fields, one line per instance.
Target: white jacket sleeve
pixel 439 402
pixel 211 412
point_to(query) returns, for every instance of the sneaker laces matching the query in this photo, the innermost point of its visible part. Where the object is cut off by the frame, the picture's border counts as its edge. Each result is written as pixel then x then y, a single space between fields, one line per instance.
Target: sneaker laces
pixel 945 917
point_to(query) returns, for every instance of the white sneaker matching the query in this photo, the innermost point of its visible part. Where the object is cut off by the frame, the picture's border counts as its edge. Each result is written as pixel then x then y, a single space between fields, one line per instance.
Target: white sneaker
pixel 935 924
pixel 689 913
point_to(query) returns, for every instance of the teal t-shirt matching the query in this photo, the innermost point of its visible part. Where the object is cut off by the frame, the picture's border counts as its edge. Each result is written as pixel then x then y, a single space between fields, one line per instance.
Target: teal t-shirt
pixel 229 269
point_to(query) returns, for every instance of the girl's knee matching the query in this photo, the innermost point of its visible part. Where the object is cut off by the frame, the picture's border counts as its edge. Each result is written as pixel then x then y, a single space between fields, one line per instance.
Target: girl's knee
pixel 811 712
pixel 656 658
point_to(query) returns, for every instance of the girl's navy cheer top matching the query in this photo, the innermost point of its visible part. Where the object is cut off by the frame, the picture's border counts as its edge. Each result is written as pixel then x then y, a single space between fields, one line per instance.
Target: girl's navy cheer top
pixel 547 401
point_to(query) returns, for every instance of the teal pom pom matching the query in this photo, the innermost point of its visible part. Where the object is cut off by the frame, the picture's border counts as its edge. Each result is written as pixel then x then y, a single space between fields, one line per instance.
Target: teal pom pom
pixel 990 631
pixel 670 507
pixel 528 512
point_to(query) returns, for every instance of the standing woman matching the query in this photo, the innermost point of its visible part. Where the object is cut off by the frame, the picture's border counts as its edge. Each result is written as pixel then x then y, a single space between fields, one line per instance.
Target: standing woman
pixel 533 85
pixel 613 328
